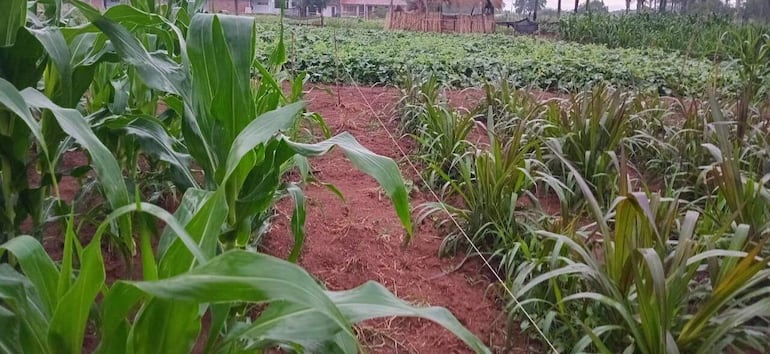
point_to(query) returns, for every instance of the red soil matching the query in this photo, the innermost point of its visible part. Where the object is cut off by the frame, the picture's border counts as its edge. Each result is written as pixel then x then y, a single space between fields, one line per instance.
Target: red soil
pixel 360 239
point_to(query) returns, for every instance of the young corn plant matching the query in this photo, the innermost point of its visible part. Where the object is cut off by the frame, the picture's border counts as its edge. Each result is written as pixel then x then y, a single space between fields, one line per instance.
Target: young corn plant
pixel 226 115
pixel 63 62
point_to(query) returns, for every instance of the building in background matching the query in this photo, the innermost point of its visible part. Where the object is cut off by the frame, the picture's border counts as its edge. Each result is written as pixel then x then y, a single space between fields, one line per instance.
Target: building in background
pixel 368 8
pixel 334 8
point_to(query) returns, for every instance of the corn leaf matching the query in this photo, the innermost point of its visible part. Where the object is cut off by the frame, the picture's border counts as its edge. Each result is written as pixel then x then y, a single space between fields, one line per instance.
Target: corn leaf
pixel 37 266
pixel 12 17
pixel 68 324
pixel 372 300
pixel 75 125
pixel 251 277
pixel 381 168
pixel 20 306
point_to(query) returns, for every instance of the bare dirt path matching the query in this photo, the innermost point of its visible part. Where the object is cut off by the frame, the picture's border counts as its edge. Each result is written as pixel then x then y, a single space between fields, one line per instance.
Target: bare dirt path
pixel 360 239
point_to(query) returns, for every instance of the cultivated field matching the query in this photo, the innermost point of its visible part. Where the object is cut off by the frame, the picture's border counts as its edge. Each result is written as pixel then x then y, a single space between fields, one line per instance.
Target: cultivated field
pixel 181 182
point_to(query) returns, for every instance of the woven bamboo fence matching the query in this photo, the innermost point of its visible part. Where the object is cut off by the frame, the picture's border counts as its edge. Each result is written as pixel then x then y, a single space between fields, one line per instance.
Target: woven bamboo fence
pixel 437 22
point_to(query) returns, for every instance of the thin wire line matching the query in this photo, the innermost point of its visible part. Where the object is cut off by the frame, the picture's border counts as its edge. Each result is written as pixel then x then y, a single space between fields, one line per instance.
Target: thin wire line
pixel 435 196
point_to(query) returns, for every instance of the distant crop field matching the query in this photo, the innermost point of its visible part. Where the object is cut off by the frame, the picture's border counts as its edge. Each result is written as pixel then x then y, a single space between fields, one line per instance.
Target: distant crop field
pixel 366 56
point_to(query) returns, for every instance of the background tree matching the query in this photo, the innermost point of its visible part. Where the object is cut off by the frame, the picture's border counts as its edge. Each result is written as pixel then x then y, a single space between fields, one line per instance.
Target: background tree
pixel 757 10
pixel 595 6
pixel 708 7
pixel 528 6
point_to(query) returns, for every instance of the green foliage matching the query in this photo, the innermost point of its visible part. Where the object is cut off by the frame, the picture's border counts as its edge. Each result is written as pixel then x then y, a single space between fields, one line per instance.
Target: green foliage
pixel 669 257
pixel 490 183
pixel 589 134
pixel 528 6
pixel 661 296
pixel 440 131
pixel 692 35
pixel 469 60
pixel 751 48
pixel 217 115
pixel 47 320
pixel 593 7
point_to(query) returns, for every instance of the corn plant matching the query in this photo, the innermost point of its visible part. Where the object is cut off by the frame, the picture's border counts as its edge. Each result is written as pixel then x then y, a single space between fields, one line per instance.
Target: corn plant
pixel 65 66
pixel 46 307
pixel 225 115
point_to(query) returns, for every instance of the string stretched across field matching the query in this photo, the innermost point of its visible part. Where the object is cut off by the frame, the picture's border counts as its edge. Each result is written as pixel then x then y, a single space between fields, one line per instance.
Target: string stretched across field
pixel 436 197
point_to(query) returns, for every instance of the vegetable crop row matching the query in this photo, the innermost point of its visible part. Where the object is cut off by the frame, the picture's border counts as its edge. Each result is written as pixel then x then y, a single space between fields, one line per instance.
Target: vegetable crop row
pixel 379 57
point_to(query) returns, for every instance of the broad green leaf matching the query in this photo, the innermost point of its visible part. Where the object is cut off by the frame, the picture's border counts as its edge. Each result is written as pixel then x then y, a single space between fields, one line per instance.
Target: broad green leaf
pixel 9 326
pixel 18 297
pixel 157 142
pixel 381 168
pixel 14 101
pixel 166 326
pixel 21 64
pixel 37 267
pixel 161 214
pixel 223 101
pixel 107 169
pixel 290 323
pixel 251 277
pixel 118 303
pixel 156 70
pixel 58 51
pixel 202 214
pixel 372 300
pixel 68 324
pixel 13 14
pixel 259 131
pixel 297 221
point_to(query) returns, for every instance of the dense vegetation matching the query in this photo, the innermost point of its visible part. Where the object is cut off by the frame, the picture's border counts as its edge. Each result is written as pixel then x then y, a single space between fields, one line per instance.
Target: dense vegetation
pixel 693 35
pixel 622 219
pixel 622 222
pixel 164 104
pixel 378 57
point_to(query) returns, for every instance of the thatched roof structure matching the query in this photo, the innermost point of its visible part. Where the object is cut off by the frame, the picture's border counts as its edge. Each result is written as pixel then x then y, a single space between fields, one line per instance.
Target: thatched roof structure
pixel 455 6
